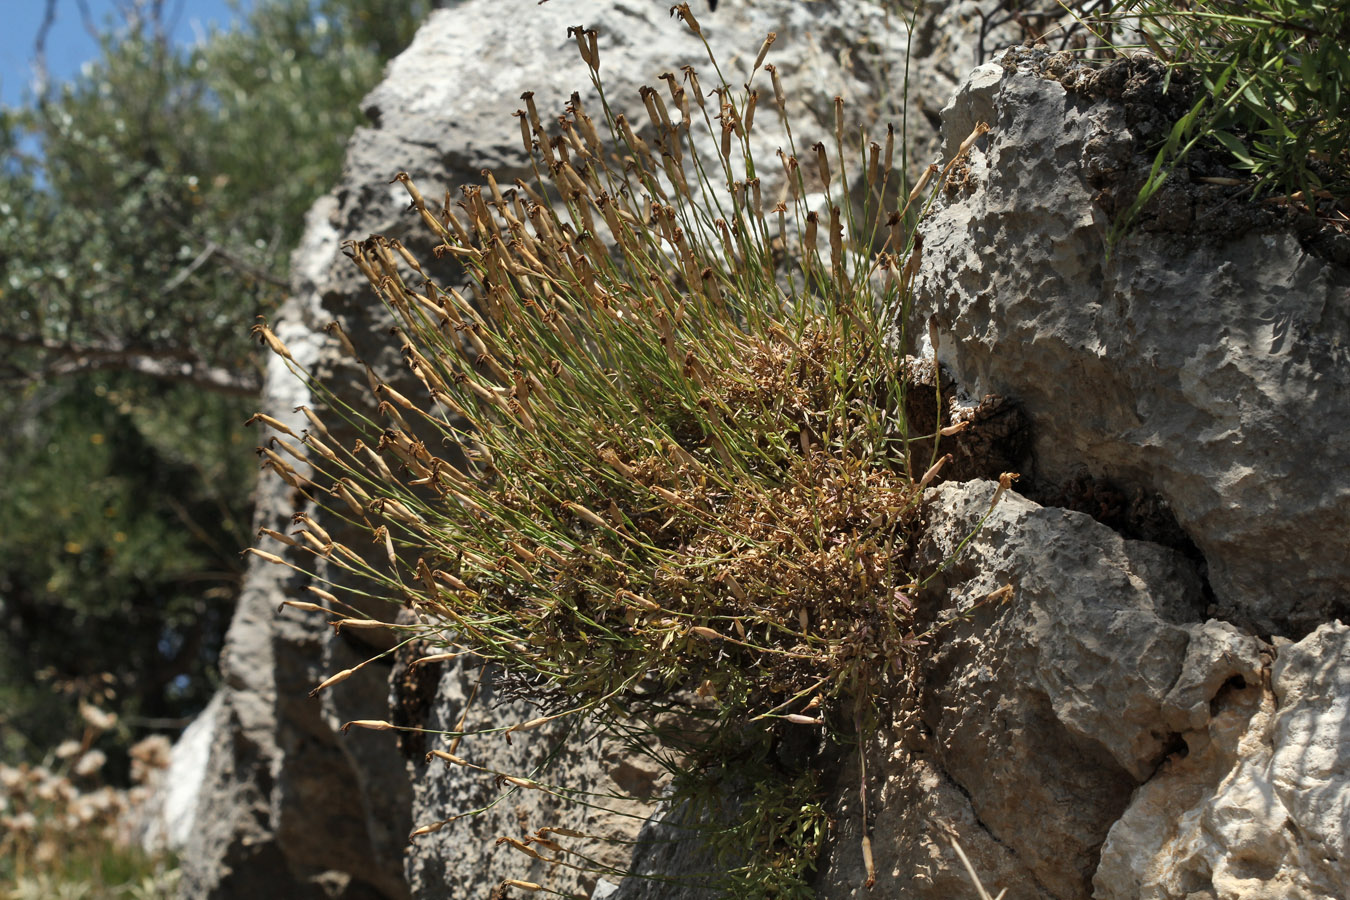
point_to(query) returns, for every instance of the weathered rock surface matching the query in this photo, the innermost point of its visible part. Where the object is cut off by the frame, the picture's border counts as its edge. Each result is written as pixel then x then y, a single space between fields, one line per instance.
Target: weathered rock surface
pixel 1207 366
pixel 167 820
pixel 1259 806
pixel 290 807
pixel 1104 735
pixel 464 858
pixel 1033 721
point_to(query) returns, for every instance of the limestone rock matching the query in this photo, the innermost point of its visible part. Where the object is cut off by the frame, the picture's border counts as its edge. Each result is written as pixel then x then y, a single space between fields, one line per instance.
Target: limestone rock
pixel 288 806
pixel 1207 365
pixel 168 817
pixel 443 112
pixel 465 858
pixel 1104 735
pixel 1035 719
pixel 1258 806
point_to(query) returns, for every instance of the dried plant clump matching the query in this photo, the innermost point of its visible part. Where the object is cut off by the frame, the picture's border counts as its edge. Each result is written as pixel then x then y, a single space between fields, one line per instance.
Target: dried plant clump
pixel 63 833
pixel 657 466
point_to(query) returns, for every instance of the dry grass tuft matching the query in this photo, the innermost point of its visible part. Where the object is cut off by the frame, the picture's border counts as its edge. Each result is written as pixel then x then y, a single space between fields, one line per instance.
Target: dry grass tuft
pixel 657 466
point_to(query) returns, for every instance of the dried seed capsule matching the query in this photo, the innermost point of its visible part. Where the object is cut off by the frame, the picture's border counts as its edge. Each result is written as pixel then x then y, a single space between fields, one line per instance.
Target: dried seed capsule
pixel 763 51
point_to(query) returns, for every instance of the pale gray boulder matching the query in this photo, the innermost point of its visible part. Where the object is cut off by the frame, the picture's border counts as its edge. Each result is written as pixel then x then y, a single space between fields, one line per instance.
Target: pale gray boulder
pixel 1030 723
pixel 167 816
pixel 1259 806
pixel 1093 737
pixel 1204 363
pixel 1105 735
pixel 463 857
pixel 289 807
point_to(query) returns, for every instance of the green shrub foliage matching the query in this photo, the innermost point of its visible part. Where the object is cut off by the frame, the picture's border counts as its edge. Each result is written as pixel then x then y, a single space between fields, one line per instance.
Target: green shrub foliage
pixel 143 223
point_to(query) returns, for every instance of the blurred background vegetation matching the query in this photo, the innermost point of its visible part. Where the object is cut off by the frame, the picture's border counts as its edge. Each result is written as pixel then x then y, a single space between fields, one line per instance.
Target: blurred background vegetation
pixel 148 209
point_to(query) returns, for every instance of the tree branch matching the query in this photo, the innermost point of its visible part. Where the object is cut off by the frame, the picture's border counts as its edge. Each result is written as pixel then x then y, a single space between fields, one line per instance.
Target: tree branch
pixel 168 364
pixel 210 249
pixel 40 76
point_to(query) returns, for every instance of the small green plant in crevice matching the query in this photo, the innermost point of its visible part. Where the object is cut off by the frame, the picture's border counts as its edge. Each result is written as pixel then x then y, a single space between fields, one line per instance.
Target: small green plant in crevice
pixel 1274 91
pixel 654 464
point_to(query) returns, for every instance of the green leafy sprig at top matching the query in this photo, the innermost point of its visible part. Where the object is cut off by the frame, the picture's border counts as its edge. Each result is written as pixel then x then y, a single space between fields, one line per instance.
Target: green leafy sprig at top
pixel 1272 91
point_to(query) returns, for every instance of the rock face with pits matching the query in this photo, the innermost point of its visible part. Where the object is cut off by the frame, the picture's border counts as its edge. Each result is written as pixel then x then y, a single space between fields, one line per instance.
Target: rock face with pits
pixel 1205 365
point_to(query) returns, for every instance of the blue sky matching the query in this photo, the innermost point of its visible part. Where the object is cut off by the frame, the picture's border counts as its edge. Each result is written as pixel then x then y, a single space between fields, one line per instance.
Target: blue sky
pixel 69 44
